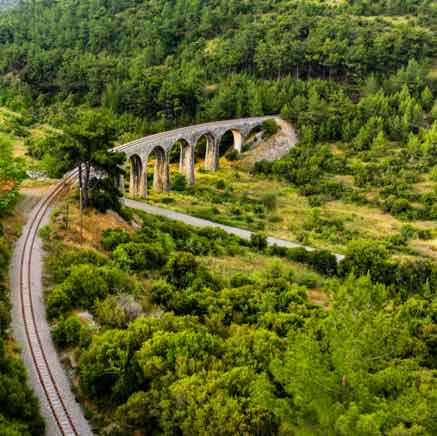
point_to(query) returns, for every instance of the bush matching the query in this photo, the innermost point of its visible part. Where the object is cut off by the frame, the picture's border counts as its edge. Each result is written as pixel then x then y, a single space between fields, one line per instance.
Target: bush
pixel 258 241
pixel 117 311
pixel 162 292
pixel 263 167
pixel 112 238
pixel 270 128
pixel 366 257
pixel 323 261
pixel 126 213
pixel 232 155
pixel 240 279
pixel 179 183
pixel 181 269
pixel 138 256
pixel 67 332
pixel 270 201
pixel 58 301
pixel 220 184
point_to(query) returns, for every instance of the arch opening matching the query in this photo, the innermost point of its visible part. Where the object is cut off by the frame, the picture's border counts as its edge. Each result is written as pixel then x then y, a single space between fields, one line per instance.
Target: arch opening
pixel 158 170
pixel 181 159
pixel 137 180
pixel 231 140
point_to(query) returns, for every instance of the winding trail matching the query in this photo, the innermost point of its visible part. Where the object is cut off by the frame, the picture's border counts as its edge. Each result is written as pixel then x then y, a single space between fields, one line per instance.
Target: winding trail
pixel 200 222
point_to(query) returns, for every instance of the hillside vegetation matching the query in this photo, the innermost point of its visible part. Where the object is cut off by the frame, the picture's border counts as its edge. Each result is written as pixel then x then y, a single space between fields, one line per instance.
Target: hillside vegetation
pixel 168 329
pixel 175 330
pixel 19 411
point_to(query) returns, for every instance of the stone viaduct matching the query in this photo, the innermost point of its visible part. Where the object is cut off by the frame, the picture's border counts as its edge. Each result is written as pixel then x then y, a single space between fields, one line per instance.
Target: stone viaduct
pixel 139 152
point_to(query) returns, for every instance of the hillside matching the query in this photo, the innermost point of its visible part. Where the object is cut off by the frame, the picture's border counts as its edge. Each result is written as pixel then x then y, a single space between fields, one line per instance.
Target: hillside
pixel 168 329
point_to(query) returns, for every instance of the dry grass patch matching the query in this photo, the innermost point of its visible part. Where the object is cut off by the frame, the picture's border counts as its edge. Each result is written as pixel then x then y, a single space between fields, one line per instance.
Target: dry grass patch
pixel 94 224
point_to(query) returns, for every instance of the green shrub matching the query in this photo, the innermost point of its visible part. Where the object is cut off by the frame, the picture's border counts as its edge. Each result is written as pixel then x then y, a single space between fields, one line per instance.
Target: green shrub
pixel 4 255
pixel 112 238
pixel 366 257
pixel 258 241
pixel 220 184
pixel 126 213
pixel 270 128
pixel 232 155
pixel 138 256
pixel 240 279
pixel 58 301
pixel 181 269
pixel 117 311
pixel 323 261
pixel 179 183
pixel 67 332
pixel 162 292
pixel 270 201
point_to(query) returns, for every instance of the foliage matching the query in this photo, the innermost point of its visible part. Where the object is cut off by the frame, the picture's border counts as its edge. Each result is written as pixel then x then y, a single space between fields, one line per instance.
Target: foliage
pixel 269 128
pixel 242 354
pixel 232 155
pixel 87 137
pixel 359 363
pixel 179 183
pixel 112 238
pixel 19 409
pixel 68 332
pixel 258 241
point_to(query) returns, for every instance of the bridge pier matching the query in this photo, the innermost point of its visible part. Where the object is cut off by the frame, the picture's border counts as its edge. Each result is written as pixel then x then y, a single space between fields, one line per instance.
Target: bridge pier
pixel 238 140
pixel 186 164
pixel 212 155
pixel 138 179
pixel 161 174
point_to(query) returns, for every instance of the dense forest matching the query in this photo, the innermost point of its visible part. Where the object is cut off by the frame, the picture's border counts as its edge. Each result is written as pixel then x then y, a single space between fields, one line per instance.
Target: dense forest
pixel 170 329
pixel 171 62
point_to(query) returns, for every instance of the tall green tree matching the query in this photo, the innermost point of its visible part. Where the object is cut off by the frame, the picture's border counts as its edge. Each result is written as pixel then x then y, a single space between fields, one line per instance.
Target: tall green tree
pixel 88 137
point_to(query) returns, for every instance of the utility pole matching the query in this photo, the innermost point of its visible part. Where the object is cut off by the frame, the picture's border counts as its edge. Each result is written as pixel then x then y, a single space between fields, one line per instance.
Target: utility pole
pixel 81 217
pixel 67 210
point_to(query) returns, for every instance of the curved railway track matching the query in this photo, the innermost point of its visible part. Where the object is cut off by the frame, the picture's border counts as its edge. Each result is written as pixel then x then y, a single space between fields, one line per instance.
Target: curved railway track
pixel 65 416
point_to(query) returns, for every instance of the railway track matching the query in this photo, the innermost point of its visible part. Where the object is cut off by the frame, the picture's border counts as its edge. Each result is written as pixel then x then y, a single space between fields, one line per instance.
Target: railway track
pixel 66 417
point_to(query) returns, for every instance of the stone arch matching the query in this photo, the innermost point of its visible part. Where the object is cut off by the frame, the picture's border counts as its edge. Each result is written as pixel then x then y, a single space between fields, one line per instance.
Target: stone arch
pixel 161 177
pixel 185 158
pixel 238 139
pixel 137 181
pixel 211 150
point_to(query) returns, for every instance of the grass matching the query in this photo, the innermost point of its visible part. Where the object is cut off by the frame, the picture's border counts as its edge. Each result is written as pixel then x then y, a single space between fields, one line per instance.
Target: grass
pixel 248 262
pixel 236 203
pixel 94 223
pixel 14 130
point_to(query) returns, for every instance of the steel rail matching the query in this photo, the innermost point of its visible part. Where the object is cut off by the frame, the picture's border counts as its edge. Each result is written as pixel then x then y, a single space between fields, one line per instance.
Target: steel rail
pixel 44 372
